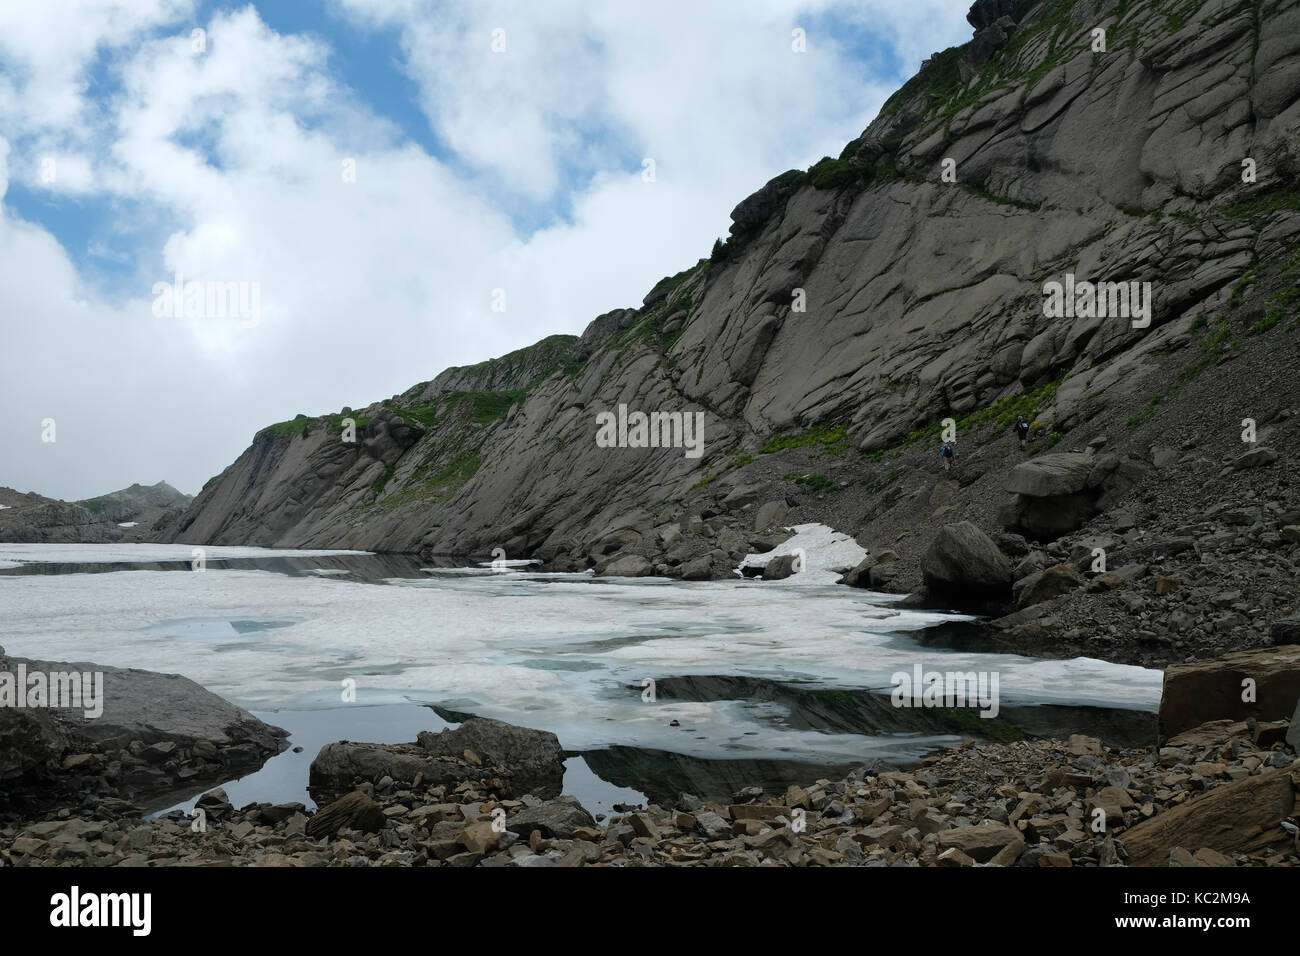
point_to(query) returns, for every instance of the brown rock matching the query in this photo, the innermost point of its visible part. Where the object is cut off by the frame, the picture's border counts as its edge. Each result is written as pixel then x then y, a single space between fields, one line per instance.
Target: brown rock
pixel 982 842
pixel 480 838
pixel 1079 745
pixel 645 827
pixel 1055 859
pixel 1238 817
pixel 354 810
pixel 1212 689
pixel 755 811
pixel 1166 585
pixel 954 857
pixel 1009 853
pixel 1049 584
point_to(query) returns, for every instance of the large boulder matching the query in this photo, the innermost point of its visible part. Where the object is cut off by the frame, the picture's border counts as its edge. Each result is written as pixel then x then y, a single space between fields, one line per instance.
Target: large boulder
pixel 353 811
pixel 626 566
pixel 168 713
pixel 1285 631
pixel 1238 818
pixel 1203 691
pixel 526 761
pixel 532 760
pixel 780 567
pixel 963 562
pixel 984 13
pixel 560 819
pixel 982 842
pixel 1048 584
pixel 1051 476
pixel 1057 494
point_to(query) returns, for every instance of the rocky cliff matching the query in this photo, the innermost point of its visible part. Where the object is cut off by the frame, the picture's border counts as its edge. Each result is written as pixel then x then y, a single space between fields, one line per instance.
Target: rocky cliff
pixel 125 515
pixel 857 305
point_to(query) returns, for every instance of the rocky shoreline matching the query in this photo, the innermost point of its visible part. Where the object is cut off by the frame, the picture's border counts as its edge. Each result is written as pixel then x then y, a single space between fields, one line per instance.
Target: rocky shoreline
pixel 159 736
pixel 1222 794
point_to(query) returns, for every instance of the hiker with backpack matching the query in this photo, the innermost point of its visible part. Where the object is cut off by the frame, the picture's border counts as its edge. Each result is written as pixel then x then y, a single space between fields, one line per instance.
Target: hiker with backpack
pixel 1022 431
pixel 946 455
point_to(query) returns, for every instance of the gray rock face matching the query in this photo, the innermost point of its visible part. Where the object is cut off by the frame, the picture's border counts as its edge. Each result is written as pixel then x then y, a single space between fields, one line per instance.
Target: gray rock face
pixel 36 519
pixel 985 13
pixel 161 708
pixel 924 299
pixel 963 562
pixel 769 514
pixel 155 734
pixel 626 566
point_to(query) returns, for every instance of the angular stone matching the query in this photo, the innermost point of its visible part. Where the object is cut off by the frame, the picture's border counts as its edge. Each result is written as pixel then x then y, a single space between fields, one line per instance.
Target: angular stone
pixel 1237 817
pixel 1211 690
pixel 981 842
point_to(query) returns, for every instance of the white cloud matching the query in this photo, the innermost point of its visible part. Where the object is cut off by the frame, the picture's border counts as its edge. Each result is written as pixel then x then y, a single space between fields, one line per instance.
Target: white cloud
pixel 370 286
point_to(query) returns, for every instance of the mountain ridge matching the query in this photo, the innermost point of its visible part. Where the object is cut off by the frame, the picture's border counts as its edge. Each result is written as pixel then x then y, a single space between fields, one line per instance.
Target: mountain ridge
pixel 856 306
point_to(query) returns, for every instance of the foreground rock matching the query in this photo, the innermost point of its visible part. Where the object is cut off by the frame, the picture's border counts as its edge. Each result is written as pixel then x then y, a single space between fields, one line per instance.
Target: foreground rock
pixel 1216 795
pixel 157 734
pixel 963 563
pixel 1214 689
pixel 523 760
pixel 1241 818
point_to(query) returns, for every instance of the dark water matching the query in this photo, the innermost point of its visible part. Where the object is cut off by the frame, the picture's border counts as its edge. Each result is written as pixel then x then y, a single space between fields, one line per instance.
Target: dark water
pixel 283 778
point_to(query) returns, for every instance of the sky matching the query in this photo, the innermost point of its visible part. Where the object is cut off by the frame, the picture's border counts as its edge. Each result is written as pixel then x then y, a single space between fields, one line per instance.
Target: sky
pixel 393 186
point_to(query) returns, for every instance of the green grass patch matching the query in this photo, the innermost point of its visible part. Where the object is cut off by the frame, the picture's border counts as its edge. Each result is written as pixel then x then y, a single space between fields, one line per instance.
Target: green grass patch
pixel 1271 318
pixel 298 426
pixel 830 173
pixel 382 481
pixel 830 437
pixel 1210 348
pixel 438 487
pixel 818 483
pixel 426 415
pixel 1260 207
pixel 1001 200
pixel 704 482
pixel 1002 415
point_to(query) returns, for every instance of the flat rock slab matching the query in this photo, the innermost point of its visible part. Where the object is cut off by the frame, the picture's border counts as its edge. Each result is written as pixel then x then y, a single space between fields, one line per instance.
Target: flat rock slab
pixel 1051 475
pixel 526 761
pixel 1241 817
pixel 1210 690
pixel 154 708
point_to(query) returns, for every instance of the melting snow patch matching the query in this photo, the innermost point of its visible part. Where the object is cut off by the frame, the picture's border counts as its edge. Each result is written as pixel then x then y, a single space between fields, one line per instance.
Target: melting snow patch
pixel 127 524
pixel 827 554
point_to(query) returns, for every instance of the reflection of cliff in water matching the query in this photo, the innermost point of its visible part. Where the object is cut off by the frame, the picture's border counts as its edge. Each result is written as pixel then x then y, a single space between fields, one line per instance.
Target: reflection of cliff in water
pixel 870 712
pixel 369 568
pixel 662 776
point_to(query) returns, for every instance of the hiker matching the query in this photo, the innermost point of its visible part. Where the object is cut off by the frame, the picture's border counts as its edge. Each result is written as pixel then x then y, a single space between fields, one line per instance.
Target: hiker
pixel 946 454
pixel 1022 431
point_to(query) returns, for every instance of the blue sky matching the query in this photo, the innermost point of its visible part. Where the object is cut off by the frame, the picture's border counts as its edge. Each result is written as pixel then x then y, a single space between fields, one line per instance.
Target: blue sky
pixel 476 170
